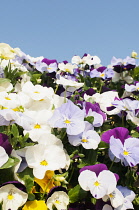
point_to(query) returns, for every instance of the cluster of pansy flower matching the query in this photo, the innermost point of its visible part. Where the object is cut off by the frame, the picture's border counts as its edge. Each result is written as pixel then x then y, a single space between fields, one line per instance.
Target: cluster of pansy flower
pixel 69 132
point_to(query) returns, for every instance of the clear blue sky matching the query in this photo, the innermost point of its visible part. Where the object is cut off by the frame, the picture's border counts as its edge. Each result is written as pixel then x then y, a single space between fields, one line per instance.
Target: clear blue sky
pixel 59 29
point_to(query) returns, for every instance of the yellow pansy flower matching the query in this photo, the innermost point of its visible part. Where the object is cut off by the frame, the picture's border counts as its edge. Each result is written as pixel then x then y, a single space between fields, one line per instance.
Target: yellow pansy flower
pixel 47 182
pixel 35 205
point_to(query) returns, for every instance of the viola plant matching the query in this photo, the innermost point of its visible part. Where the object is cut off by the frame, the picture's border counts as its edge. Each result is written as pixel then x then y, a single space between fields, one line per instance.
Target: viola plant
pixel 69 132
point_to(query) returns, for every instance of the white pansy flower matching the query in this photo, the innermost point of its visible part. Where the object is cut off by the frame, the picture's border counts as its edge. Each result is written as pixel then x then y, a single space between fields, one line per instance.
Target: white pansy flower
pixel 105 100
pixel 37 92
pixel 69 83
pixel 59 199
pixel 6 52
pixel 99 186
pixel 49 139
pixel 43 158
pixel 116 198
pixel 8 116
pixel 68 67
pixel 12 197
pixel 40 125
pixel 3 156
pixel 88 59
pixel 9 100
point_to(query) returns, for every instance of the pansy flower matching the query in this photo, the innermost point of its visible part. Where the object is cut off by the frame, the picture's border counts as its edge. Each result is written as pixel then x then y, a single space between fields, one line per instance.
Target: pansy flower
pixel 89 138
pixel 98 180
pixel 68 116
pixel 123 64
pixel 58 197
pixel 12 195
pixel 122 146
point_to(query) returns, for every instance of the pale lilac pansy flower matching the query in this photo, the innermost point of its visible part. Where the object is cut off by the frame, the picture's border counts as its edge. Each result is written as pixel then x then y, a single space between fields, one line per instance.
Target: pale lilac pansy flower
pixel 43 67
pixel 68 116
pixel 125 104
pixel 123 64
pixel 132 88
pixel 94 111
pixel 129 196
pixel 122 147
pixel 89 138
pixel 102 72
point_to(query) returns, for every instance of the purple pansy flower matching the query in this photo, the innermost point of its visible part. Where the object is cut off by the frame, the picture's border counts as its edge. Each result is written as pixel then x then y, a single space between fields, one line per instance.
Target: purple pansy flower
pixel 122 65
pixel 4 142
pixel 48 61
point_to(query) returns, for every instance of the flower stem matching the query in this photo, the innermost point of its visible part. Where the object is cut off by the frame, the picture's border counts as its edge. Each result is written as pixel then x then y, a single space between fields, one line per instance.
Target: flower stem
pixel 112 163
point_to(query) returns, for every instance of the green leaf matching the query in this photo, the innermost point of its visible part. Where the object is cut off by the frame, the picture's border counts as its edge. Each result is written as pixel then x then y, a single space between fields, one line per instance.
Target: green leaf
pixel 12 161
pixel 136 71
pixel 135 135
pixel 27 171
pixel 76 194
pixel 31 197
pixel 14 130
pixel 90 119
pixel 103 145
pixel 29 182
pixel 27 176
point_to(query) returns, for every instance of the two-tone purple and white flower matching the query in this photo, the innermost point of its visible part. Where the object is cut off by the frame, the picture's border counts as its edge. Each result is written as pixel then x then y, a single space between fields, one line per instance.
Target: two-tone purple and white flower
pixel 122 147
pixel 98 180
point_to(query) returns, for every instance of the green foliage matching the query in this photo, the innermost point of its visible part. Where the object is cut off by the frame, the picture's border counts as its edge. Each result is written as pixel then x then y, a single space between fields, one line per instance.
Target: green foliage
pixel 12 161
pixel 77 194
pixel 13 75
pixel 90 119
pixel 28 178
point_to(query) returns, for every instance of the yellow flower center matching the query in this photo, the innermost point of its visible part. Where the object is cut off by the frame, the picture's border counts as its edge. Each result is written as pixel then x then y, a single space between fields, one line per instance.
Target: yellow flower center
pixel 36 92
pixel 57 201
pixel 126 152
pixel 7 98
pixel 84 140
pixel 37 126
pixel 111 195
pixel 10 197
pixel 102 75
pixel 67 70
pixel 67 121
pixel 96 183
pixel 44 163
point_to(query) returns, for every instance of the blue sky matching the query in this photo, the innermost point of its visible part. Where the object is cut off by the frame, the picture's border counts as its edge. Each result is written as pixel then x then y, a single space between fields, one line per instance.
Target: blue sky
pixel 59 29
